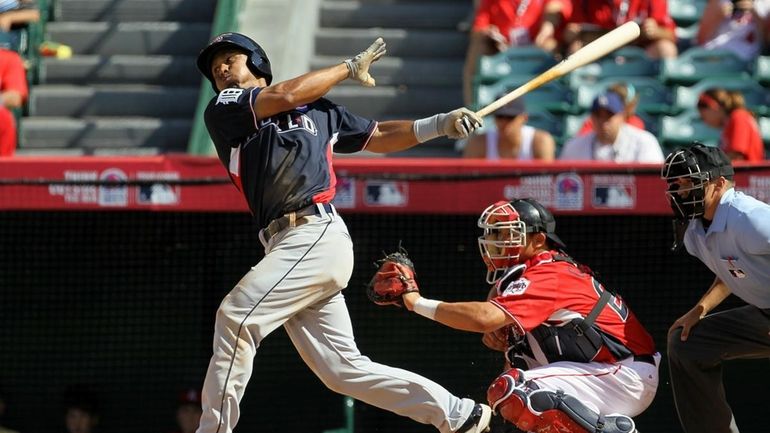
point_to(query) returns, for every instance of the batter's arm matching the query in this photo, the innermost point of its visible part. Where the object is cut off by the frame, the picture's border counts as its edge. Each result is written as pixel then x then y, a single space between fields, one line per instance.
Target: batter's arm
pixel 302 90
pixel 392 136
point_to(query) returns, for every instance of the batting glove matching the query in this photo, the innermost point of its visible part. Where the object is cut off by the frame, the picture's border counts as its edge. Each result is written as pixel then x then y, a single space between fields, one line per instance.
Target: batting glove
pixel 459 123
pixel 358 66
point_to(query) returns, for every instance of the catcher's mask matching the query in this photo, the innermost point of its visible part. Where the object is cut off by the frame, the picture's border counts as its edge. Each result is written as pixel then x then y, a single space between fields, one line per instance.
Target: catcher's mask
pixel 257 60
pixel 505 226
pixel 687 171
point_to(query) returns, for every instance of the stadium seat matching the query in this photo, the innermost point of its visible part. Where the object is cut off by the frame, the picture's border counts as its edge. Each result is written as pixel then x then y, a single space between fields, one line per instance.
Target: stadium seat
pixel 764 129
pixel 517 61
pixel 654 97
pixel 757 97
pixel 548 122
pixel 685 37
pixel 684 129
pixel 762 70
pixel 698 63
pixel 554 96
pixel 686 12
pixel 625 62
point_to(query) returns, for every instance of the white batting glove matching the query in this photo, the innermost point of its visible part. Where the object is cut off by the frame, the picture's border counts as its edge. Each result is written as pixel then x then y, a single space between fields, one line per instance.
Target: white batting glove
pixel 459 123
pixel 358 66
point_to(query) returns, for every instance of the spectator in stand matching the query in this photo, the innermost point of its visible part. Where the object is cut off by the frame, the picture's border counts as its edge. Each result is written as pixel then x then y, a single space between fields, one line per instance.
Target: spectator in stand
pixel 592 18
pixel 613 140
pixel 512 138
pixel 2 412
pixel 738 26
pixel 81 412
pixel 501 24
pixel 726 110
pixel 627 93
pixel 188 412
pixel 17 13
pixel 13 93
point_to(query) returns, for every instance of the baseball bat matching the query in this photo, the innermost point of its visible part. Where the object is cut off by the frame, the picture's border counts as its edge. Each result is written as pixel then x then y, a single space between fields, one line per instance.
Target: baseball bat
pixel 600 47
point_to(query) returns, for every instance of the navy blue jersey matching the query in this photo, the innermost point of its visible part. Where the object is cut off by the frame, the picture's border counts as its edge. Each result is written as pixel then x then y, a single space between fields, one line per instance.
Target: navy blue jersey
pixel 282 163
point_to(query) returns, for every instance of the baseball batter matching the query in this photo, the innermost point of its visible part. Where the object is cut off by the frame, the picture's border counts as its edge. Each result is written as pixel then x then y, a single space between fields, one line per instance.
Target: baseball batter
pixel 579 360
pixel 730 233
pixel 276 141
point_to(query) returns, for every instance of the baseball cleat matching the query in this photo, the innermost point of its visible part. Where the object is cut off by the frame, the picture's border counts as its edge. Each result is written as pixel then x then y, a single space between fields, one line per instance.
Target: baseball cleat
pixel 478 421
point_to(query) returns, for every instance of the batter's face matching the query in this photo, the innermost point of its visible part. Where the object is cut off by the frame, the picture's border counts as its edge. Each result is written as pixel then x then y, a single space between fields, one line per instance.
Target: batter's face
pixel 230 69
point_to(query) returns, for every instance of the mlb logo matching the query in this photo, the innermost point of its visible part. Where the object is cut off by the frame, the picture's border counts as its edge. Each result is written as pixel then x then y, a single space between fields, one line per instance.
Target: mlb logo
pixel 158 193
pixel 614 196
pixel 386 194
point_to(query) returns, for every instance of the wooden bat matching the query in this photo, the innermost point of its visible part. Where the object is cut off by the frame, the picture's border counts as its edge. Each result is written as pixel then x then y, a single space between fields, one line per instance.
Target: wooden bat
pixel 600 47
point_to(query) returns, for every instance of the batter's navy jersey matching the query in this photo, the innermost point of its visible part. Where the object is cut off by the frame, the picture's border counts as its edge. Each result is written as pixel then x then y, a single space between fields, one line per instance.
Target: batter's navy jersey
pixel 282 163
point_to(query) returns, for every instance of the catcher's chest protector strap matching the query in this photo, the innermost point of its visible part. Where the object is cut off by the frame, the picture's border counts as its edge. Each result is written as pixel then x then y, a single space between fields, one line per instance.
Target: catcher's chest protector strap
pixel 577 341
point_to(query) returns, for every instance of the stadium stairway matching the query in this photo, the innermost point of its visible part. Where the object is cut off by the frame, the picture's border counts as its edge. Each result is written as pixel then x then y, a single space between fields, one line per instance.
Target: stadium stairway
pixel 131 86
pixel 421 74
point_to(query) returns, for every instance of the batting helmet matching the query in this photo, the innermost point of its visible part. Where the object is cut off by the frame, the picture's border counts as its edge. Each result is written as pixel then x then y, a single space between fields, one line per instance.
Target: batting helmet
pixel 699 164
pixel 257 61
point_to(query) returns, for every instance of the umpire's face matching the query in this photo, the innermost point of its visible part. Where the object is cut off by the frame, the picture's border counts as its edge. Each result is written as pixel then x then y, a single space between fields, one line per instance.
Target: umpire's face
pixel 229 69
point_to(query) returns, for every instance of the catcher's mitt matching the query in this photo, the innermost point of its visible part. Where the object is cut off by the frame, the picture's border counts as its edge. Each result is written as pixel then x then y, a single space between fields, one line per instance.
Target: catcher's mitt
pixel 394 277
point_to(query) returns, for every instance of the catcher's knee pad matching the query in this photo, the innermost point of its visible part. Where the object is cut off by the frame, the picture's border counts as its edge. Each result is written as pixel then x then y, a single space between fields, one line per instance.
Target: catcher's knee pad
pixel 544 411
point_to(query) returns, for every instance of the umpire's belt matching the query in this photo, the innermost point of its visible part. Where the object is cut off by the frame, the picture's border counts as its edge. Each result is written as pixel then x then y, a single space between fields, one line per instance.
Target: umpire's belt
pixel 296 218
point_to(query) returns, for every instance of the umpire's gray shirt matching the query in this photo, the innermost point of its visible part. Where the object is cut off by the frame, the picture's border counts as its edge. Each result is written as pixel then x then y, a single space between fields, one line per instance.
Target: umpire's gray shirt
pixel 737 246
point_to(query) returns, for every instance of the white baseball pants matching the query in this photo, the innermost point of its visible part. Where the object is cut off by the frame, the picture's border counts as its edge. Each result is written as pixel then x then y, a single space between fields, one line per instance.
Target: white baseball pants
pixel 297 285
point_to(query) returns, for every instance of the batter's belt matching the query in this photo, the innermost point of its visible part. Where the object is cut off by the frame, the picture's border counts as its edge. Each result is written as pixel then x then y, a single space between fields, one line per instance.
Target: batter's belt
pixel 295 219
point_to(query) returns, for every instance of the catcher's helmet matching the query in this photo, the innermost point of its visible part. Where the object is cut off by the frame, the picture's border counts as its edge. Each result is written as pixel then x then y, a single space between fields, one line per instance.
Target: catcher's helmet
pixel 257 62
pixel 505 226
pixel 699 164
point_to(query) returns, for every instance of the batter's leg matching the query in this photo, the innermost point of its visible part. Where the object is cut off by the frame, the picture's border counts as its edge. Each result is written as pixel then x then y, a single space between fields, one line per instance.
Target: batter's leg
pixel 323 335
pixel 695 365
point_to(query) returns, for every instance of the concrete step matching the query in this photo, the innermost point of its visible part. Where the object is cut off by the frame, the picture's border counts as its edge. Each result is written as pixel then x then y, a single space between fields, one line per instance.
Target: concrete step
pixel 414 15
pixel 410 71
pixel 105 135
pixel 384 102
pixel 345 43
pixel 134 10
pixel 117 100
pixel 143 38
pixel 121 69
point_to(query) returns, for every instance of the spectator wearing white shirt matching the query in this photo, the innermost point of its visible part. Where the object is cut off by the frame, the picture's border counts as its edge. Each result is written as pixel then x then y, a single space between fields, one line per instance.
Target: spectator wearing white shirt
pixel 612 139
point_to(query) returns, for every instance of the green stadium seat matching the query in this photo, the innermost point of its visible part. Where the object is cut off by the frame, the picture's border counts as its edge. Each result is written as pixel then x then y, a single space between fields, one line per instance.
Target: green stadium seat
pixel 764 129
pixel 686 12
pixel 554 96
pixel 517 61
pixel 625 62
pixel 685 37
pixel 548 122
pixel 698 63
pixel 654 96
pixel 762 70
pixel 684 129
pixel 757 97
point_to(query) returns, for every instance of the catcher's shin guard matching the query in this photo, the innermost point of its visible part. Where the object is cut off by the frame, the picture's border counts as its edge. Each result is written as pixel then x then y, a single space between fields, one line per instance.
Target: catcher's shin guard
pixel 544 411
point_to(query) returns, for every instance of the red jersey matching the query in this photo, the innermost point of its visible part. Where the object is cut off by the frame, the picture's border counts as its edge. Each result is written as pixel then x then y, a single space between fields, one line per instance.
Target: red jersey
pixel 554 292
pixel 508 15
pixel 609 14
pixel 741 135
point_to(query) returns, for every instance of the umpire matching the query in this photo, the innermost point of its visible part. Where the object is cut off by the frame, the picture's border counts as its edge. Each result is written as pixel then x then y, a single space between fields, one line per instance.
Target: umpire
pixel 276 141
pixel 730 233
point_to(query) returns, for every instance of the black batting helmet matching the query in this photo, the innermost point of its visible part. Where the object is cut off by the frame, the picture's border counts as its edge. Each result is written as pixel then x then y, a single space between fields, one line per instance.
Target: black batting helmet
pixel 538 219
pixel 257 62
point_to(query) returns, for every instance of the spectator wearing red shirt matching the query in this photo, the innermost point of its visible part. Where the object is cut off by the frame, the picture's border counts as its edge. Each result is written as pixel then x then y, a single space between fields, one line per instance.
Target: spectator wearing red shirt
pixel 592 18
pixel 726 110
pixel 501 24
pixel 628 94
pixel 13 93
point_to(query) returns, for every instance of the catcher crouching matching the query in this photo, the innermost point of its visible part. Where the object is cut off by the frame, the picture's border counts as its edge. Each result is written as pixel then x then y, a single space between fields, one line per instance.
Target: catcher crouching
pixel 577 359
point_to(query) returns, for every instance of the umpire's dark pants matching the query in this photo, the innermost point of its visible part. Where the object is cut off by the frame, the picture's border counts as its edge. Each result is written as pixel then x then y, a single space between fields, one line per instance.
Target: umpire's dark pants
pixel 696 365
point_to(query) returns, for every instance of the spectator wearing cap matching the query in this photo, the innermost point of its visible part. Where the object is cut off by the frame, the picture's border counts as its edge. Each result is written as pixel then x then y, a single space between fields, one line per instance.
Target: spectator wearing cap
pixel 627 93
pixel 613 140
pixel 188 412
pixel 512 138
pixel 726 110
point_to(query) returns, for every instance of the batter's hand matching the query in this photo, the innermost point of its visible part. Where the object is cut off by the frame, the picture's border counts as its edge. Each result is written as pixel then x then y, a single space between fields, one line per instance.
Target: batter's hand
pixel 459 123
pixel 358 66
pixel 688 321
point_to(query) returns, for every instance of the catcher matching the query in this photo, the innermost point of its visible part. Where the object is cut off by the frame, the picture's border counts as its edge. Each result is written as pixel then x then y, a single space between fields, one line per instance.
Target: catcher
pixel 577 358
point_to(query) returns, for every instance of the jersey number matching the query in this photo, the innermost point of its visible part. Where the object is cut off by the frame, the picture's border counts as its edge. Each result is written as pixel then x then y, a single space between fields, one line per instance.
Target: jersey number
pixel 615 303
